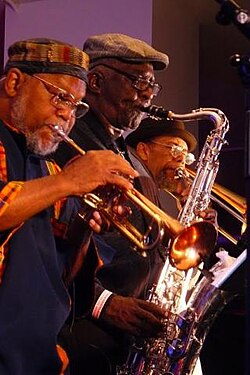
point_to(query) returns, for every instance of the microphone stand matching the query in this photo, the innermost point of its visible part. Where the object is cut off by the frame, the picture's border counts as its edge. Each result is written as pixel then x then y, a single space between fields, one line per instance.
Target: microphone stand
pixel 231 12
pixel 242 63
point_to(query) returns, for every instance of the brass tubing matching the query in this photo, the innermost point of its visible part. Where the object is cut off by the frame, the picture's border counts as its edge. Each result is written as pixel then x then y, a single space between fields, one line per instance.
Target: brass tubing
pixel 189 246
pixel 233 199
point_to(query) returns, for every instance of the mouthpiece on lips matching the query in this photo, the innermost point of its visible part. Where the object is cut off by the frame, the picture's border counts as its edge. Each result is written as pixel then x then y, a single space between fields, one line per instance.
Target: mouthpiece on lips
pixel 57 129
pixel 157 112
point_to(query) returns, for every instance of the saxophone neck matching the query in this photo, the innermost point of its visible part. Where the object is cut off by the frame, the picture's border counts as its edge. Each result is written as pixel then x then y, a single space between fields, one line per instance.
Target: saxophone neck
pixel 213 114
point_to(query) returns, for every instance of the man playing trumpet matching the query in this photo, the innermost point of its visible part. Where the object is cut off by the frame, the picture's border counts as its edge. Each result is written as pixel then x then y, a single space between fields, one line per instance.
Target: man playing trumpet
pixel 43 85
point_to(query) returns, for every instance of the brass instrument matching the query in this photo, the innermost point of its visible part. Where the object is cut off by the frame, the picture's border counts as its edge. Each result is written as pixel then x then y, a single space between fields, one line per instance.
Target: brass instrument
pixel 184 324
pixel 231 199
pixel 189 246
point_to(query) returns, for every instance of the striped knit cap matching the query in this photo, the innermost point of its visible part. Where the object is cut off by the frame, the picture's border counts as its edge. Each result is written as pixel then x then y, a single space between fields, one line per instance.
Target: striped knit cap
pixel 43 55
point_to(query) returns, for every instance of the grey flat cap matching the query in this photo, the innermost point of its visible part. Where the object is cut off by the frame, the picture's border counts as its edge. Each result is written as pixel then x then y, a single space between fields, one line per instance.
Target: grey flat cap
pixel 125 48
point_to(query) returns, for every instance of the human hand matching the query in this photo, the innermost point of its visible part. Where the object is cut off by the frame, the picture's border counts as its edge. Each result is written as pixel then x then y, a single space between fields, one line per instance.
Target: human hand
pixel 96 168
pixel 95 222
pixel 135 316
pixel 209 215
pixel 98 222
pixel 182 184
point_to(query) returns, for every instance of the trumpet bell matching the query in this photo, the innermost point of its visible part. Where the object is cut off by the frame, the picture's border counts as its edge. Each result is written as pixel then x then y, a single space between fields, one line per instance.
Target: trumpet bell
pixel 193 245
pixel 190 245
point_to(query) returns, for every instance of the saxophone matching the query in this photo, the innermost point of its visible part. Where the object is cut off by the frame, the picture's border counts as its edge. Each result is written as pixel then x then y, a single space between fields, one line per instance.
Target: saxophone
pixel 187 319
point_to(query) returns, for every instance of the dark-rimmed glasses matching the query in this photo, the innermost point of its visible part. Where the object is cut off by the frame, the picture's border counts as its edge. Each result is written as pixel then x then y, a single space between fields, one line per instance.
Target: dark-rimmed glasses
pixel 138 82
pixel 64 99
pixel 177 151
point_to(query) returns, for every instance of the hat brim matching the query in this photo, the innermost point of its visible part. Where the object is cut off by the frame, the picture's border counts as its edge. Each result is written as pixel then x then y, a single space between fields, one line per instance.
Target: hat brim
pixel 145 134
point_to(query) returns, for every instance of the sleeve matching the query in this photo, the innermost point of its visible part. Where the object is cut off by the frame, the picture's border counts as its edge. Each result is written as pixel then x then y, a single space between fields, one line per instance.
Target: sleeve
pixel 8 193
pixel 65 210
pixel 65 213
pixel 100 301
pixel 8 190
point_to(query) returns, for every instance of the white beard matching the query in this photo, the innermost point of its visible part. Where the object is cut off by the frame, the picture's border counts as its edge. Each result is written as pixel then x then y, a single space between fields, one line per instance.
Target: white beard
pixel 35 142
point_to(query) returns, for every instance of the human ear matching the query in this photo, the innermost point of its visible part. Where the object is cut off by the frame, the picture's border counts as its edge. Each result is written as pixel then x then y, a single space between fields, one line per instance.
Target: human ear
pixel 94 81
pixel 13 82
pixel 142 151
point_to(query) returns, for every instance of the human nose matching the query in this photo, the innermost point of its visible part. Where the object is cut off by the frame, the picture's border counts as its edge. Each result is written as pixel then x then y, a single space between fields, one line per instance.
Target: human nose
pixel 147 93
pixel 66 113
pixel 181 157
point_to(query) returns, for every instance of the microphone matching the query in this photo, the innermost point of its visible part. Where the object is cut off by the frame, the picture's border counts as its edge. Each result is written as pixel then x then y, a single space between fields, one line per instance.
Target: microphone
pixel 242 63
pixel 238 60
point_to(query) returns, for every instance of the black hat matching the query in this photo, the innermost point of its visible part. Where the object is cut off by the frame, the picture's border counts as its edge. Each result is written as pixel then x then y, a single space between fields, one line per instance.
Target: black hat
pixel 42 55
pixel 125 48
pixel 150 128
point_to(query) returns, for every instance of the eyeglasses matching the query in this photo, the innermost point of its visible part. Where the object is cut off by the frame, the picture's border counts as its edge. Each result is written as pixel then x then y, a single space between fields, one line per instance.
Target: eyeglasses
pixel 177 151
pixel 138 82
pixel 64 99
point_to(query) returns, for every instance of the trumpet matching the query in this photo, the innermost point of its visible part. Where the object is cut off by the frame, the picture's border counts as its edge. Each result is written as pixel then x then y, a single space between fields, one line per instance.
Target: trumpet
pixel 188 246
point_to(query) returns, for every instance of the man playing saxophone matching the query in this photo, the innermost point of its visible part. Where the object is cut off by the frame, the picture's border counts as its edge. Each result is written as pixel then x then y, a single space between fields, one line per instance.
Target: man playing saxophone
pixel 161 149
pixel 121 81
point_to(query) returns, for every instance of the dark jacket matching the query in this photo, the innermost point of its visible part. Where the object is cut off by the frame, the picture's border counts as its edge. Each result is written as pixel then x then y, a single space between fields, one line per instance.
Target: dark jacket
pixel 125 271
pixel 33 297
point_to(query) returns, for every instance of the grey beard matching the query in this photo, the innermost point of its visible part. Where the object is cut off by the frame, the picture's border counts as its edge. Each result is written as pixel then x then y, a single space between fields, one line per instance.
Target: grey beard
pixel 33 140
pixel 35 145
pixel 165 183
pixel 134 122
pixel 131 120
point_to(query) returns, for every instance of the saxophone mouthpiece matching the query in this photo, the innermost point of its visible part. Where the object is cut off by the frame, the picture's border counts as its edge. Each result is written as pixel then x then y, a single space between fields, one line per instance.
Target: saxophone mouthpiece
pixel 157 112
pixel 180 172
